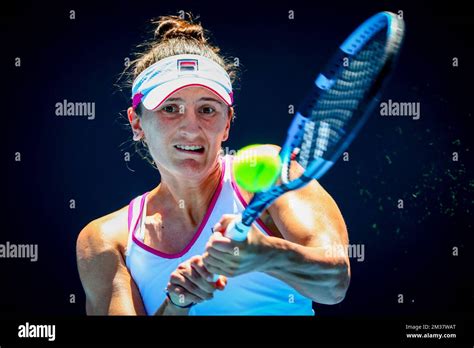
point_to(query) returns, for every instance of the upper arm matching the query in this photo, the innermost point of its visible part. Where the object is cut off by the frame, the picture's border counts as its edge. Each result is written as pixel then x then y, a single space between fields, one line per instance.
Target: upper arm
pixel 310 217
pixel 108 285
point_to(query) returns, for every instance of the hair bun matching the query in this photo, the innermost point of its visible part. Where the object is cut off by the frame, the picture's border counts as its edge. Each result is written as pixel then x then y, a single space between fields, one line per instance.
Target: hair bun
pixel 170 27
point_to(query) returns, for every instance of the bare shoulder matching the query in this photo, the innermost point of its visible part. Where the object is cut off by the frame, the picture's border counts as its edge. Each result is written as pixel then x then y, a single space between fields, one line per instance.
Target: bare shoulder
pixel 105 278
pixel 103 234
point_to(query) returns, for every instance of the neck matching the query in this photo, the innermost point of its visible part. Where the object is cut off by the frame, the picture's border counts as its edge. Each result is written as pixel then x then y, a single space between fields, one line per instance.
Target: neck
pixel 187 199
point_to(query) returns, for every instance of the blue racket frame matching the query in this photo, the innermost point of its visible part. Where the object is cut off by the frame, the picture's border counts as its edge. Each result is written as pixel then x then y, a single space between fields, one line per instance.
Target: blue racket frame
pixel 325 81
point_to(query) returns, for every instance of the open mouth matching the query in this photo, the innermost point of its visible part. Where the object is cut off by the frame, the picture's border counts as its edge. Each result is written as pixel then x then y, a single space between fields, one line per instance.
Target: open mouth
pixel 190 148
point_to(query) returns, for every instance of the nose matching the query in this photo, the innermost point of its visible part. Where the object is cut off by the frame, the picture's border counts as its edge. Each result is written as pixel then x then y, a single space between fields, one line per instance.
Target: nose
pixel 189 123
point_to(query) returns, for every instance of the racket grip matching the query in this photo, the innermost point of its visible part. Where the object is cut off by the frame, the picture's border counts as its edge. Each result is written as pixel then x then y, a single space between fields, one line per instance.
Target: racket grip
pixel 237 231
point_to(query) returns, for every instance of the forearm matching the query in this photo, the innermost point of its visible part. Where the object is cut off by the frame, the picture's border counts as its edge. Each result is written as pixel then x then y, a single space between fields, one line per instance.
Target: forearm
pixel 308 270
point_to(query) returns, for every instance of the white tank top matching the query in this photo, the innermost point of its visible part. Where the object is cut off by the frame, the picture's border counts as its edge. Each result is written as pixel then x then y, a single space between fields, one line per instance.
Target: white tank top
pixel 254 293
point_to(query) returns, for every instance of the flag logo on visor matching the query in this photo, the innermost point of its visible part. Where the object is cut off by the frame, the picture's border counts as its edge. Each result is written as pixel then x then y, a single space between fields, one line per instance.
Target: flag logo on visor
pixel 187 65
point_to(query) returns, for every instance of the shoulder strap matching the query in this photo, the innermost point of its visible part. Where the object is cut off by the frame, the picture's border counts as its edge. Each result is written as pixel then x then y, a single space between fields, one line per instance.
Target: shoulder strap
pixel 134 210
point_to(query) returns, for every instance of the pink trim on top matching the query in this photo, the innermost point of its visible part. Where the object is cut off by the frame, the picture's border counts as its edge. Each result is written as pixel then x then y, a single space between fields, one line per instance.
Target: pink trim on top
pixel 196 235
pixel 244 203
pixel 200 85
pixel 130 212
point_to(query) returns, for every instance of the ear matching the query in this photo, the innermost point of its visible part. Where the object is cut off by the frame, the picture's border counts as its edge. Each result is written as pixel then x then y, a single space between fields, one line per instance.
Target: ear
pixel 230 116
pixel 135 123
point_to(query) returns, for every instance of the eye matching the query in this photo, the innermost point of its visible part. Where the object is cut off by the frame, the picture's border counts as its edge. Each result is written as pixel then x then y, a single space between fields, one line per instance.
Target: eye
pixel 208 110
pixel 170 108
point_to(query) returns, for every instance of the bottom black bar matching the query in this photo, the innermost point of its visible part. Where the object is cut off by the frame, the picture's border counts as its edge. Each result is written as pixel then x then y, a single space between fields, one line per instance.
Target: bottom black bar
pixel 235 330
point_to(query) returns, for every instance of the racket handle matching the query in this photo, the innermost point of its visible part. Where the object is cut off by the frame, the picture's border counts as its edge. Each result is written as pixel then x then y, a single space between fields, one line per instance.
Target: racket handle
pixel 237 231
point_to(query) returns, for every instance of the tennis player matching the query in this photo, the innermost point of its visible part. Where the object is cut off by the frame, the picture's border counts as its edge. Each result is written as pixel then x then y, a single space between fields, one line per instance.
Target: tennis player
pixel 157 255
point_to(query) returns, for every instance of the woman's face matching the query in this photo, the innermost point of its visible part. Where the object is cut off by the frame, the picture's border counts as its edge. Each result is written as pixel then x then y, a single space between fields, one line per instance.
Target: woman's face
pixel 184 135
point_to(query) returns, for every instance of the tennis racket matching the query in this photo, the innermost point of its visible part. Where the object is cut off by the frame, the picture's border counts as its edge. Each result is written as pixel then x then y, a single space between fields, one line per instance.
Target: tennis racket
pixel 339 104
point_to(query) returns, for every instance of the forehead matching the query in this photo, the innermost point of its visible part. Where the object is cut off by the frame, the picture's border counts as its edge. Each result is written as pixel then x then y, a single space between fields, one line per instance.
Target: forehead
pixel 193 93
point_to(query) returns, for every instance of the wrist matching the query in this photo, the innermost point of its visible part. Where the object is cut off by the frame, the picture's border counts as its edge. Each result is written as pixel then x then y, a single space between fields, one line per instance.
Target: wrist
pixel 172 309
pixel 167 308
pixel 172 303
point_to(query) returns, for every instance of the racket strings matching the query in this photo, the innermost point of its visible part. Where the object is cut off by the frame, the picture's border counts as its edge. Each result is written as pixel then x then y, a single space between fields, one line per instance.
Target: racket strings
pixel 331 116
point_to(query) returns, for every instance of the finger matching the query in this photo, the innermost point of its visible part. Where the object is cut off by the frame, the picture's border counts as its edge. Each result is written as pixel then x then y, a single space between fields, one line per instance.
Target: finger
pixel 224 257
pixel 190 286
pixel 226 218
pixel 221 282
pixel 223 222
pixel 225 245
pixel 216 266
pixel 221 242
pixel 198 265
pixel 210 261
pixel 217 228
pixel 200 280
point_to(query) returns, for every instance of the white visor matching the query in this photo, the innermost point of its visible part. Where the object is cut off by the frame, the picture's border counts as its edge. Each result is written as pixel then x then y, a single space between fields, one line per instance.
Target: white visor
pixel 165 77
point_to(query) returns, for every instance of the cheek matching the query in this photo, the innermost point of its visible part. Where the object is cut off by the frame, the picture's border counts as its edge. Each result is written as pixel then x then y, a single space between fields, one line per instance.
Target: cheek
pixel 154 126
pixel 216 133
pixel 155 133
pixel 220 125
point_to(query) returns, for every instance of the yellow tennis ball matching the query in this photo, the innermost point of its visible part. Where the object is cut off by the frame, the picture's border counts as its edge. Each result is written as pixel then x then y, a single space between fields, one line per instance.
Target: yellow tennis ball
pixel 256 169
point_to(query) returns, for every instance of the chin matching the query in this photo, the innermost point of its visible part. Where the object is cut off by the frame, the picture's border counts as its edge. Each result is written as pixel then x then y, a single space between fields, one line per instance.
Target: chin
pixel 192 168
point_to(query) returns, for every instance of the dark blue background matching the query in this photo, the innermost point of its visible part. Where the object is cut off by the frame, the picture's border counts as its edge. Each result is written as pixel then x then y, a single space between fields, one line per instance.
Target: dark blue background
pixel 407 251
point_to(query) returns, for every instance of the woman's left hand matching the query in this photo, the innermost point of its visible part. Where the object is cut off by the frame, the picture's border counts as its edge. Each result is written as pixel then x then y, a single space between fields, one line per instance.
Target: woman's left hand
pixel 230 258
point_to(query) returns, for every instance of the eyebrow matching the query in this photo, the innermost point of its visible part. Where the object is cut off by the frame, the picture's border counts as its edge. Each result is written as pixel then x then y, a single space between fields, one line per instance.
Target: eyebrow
pixel 203 98
pixel 211 99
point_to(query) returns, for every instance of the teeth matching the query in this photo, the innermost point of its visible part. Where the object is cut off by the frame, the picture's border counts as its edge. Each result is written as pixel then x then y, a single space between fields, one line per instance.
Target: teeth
pixel 189 147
